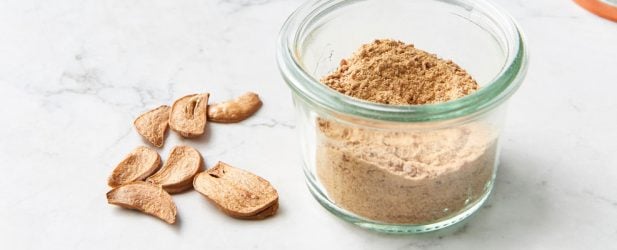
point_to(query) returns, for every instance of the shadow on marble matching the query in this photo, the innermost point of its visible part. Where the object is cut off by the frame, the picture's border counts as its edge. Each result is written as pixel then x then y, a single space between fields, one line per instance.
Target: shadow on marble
pixel 203 139
pixel 200 140
pixel 129 213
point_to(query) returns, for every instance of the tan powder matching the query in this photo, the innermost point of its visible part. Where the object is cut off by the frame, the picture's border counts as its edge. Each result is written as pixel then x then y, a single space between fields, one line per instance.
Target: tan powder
pixel 391 72
pixel 412 177
pixel 405 176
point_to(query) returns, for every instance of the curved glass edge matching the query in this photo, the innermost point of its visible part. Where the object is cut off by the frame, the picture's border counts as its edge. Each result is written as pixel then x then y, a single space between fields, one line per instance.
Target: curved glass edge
pixel 319 95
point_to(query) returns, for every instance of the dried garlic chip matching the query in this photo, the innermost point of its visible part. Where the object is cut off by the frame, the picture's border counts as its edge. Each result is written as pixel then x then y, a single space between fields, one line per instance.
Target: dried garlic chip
pixel 178 172
pixel 236 192
pixel 271 210
pixel 188 115
pixel 153 124
pixel 145 197
pixel 234 110
pixel 137 165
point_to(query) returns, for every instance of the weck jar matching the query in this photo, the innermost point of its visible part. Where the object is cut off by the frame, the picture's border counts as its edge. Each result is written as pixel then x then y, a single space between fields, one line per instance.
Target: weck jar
pixel 401 168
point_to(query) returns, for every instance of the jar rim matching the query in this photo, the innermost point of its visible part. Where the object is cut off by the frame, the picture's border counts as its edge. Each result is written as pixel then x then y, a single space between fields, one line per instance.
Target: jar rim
pixel 506 82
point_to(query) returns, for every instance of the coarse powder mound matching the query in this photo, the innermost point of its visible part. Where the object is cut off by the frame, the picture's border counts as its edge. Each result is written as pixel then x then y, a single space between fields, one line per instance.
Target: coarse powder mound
pixel 405 176
pixel 392 72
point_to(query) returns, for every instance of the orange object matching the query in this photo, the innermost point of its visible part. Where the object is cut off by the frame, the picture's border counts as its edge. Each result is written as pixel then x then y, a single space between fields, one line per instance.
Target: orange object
pixel 603 8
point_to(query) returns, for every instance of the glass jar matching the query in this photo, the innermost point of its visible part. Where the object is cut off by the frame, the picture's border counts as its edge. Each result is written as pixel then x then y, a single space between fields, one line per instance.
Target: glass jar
pixel 401 169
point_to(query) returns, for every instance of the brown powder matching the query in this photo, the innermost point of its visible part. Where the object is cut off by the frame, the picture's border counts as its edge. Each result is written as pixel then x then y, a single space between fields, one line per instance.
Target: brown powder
pixel 403 176
pixel 409 177
pixel 391 72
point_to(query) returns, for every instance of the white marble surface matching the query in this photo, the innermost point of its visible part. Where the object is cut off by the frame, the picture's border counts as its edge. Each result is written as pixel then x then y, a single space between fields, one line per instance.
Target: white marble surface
pixel 73 75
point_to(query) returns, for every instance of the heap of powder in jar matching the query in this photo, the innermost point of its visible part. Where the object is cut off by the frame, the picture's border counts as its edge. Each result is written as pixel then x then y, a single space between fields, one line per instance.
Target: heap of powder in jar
pixel 409 175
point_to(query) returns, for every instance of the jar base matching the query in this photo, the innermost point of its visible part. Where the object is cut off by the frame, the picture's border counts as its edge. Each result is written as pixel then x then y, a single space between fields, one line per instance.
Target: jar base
pixel 457 219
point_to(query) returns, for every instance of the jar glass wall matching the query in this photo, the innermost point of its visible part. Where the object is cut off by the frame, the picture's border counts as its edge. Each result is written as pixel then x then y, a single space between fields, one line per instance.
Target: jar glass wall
pixel 404 169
